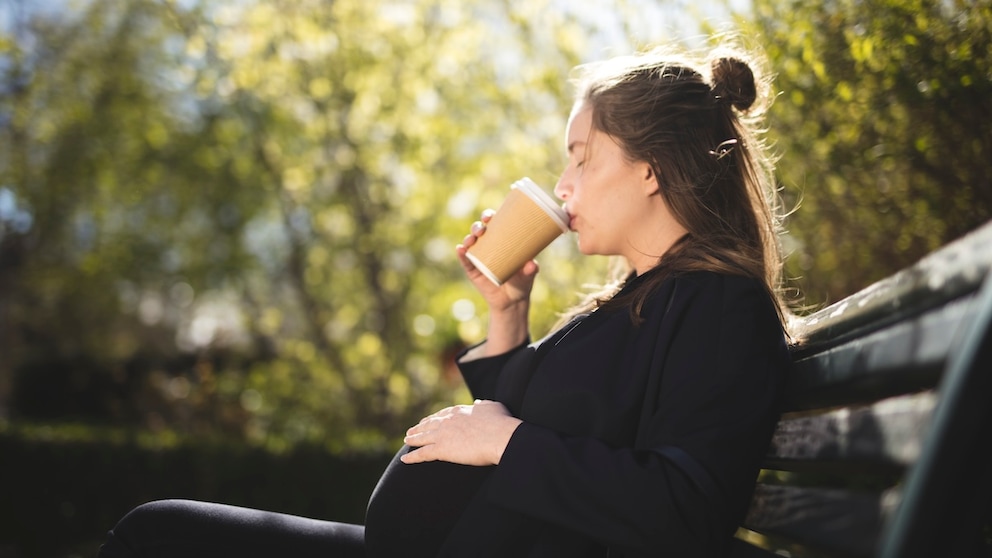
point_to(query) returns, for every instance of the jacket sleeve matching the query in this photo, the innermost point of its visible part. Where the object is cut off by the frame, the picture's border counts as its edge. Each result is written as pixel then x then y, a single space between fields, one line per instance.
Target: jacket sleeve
pixel 482 375
pixel 716 402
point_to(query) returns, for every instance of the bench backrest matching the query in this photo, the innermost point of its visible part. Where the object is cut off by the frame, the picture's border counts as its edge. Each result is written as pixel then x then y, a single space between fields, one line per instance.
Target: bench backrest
pixel 884 446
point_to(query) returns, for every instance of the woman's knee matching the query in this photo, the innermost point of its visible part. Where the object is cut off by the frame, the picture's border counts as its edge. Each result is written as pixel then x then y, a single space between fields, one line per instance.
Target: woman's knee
pixel 141 524
pixel 156 514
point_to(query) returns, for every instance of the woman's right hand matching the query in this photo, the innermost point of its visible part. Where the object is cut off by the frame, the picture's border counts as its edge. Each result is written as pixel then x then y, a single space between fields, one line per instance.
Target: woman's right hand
pixel 509 303
pixel 514 291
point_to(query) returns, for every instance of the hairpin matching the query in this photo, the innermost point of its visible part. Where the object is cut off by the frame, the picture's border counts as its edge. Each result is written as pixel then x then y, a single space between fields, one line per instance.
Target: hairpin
pixel 724 148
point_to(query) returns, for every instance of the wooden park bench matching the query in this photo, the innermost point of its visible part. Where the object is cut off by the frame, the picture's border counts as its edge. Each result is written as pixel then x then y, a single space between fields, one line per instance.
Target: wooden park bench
pixel 884 447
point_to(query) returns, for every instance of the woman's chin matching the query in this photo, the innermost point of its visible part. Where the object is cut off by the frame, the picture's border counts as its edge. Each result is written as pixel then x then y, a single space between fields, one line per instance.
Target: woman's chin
pixel 587 248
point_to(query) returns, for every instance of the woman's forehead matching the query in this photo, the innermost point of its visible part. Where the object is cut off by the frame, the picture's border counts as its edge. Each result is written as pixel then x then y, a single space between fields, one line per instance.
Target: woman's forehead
pixel 579 125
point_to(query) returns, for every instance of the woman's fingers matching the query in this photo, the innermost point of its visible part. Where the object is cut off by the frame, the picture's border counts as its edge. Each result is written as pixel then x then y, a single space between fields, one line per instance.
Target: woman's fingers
pixel 419 455
pixel 477 229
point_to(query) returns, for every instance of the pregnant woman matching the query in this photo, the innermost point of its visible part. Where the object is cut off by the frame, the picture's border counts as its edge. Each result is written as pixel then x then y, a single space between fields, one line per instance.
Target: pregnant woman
pixel 637 426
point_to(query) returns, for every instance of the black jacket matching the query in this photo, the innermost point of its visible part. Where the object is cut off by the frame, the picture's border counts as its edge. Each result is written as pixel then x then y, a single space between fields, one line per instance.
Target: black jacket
pixel 638 440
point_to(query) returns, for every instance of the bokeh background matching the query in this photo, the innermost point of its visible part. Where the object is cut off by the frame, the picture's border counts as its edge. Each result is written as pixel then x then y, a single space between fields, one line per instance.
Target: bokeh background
pixel 227 226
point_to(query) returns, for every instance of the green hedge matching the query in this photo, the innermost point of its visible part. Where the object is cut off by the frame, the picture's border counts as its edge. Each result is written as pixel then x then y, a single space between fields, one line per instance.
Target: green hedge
pixel 58 497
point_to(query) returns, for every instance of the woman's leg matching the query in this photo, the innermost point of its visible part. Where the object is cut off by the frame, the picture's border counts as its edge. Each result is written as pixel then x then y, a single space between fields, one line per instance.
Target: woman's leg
pixel 185 528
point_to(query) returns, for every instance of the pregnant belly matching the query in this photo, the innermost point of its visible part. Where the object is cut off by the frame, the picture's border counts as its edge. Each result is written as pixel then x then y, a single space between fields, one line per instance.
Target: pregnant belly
pixel 414 507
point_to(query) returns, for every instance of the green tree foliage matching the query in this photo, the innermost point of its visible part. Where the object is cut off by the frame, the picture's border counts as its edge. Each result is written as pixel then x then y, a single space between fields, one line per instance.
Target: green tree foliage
pixel 240 216
pixel 884 126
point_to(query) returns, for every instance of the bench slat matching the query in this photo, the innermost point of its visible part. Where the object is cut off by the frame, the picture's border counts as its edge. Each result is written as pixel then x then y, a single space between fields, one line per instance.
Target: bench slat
pixel 902 358
pixel 955 270
pixel 885 435
pixel 833 520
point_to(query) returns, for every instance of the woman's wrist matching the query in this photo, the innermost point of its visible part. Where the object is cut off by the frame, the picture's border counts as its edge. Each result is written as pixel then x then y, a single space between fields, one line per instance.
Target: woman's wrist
pixel 509 427
pixel 508 328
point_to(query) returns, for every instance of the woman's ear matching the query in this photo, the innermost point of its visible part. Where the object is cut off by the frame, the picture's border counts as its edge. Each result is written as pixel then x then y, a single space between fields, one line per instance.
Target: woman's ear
pixel 649 180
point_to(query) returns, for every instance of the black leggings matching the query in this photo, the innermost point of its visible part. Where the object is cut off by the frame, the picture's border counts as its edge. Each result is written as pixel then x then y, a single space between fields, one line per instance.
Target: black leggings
pixel 192 529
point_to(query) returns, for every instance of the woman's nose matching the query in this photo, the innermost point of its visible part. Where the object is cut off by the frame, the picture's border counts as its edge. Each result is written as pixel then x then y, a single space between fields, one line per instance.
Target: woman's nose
pixel 563 188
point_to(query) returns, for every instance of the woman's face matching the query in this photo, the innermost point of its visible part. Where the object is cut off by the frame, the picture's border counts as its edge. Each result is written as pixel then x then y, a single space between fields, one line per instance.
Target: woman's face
pixel 612 203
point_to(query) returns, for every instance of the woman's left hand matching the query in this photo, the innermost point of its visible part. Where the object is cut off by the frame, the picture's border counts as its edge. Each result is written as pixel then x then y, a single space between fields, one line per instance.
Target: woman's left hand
pixel 465 434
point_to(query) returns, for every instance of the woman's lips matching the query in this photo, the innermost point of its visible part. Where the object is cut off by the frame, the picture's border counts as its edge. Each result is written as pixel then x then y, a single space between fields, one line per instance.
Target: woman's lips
pixel 571 218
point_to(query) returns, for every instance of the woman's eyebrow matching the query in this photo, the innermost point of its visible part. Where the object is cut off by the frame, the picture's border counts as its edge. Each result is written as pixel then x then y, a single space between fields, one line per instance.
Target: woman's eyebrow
pixel 574 144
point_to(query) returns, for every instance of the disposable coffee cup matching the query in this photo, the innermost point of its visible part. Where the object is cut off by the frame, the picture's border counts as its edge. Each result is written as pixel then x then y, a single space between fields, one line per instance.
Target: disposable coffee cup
pixel 527 222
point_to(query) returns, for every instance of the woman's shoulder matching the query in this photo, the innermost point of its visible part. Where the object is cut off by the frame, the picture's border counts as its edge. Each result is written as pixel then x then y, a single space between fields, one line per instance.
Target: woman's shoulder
pixel 691 283
pixel 714 291
pixel 691 292
pixel 712 281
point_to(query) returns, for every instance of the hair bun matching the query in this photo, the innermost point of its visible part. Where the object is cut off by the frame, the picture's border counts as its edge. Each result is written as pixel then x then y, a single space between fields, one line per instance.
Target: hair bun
pixel 733 82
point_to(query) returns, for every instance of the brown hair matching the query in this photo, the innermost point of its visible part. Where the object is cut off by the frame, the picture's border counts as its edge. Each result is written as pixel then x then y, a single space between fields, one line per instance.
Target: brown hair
pixel 697 125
